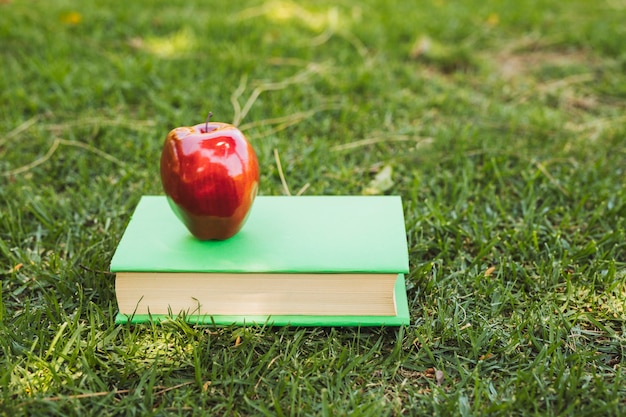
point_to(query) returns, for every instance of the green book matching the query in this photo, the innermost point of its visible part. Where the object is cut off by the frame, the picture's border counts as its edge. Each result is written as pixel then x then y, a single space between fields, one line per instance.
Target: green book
pixel 309 261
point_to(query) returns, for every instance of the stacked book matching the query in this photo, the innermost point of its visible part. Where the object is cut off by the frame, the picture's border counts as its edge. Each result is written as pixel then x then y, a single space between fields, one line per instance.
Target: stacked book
pixel 307 261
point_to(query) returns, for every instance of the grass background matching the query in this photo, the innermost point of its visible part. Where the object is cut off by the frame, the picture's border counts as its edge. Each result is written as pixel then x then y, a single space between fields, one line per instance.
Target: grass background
pixel 501 124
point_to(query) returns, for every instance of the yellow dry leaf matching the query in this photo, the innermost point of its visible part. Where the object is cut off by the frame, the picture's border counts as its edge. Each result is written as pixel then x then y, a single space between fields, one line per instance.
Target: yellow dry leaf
pixel 381 182
pixel 493 19
pixel 71 18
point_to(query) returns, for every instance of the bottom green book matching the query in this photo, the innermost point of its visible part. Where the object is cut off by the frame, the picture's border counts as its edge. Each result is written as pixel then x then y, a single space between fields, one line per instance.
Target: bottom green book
pixel 401 318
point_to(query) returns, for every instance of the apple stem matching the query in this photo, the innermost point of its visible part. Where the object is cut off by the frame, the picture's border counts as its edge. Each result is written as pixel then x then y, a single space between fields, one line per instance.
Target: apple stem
pixel 206 124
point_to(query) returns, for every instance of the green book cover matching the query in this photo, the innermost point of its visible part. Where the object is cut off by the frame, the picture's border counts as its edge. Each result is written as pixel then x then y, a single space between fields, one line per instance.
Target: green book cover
pixel 282 234
pixel 306 234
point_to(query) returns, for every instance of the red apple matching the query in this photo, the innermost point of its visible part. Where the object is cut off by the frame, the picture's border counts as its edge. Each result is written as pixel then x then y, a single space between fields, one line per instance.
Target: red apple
pixel 210 175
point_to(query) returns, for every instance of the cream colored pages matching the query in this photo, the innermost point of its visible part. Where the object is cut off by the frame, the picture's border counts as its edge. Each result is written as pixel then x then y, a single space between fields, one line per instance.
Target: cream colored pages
pixel 256 294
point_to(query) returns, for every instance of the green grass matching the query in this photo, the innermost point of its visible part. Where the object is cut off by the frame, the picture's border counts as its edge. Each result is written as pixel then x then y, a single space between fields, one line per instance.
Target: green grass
pixel 504 126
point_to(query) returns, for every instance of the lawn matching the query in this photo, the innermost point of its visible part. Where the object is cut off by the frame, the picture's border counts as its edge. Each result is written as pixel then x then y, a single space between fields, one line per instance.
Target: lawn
pixel 501 124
